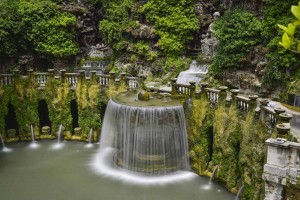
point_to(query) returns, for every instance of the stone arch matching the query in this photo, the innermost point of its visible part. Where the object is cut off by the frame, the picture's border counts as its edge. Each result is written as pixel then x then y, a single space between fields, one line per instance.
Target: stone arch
pixel 43 112
pixel 74 114
pixel 11 122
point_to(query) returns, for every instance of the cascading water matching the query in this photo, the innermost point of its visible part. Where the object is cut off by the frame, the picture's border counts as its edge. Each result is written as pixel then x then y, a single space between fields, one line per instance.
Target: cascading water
pixel 4 148
pixel 2 141
pixel 195 73
pixel 91 136
pixel 33 142
pixel 149 141
pixel 58 145
pixel 213 174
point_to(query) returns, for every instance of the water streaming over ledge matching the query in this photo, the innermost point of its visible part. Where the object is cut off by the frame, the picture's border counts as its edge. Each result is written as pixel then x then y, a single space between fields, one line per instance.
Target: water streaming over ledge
pixel 195 73
pixel 148 140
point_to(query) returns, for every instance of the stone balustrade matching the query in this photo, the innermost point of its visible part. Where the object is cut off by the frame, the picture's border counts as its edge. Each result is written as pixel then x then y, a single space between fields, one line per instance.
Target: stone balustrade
pixel 6 79
pixel 243 103
pixel 132 82
pixel 282 167
pixel 41 78
pixel 212 95
pixel 103 80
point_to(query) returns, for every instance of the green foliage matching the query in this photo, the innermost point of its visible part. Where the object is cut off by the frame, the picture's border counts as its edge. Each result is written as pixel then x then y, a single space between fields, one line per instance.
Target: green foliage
pixel 238 32
pixel 34 25
pixel 280 59
pixel 288 40
pixel 174 22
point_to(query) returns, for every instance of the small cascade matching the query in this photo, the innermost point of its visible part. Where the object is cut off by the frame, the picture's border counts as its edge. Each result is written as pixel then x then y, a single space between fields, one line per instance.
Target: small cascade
pixel 239 193
pixel 32 134
pixel 195 73
pixel 213 174
pixel 59 134
pixel 2 141
pixel 91 135
pixel 58 145
pixel 4 148
pixel 91 139
pixel 33 142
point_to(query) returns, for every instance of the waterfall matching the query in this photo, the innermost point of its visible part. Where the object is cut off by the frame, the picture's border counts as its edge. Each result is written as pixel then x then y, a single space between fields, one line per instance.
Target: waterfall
pixel 2 141
pixel 59 134
pixel 213 174
pixel 149 140
pixel 32 134
pixel 195 73
pixel 239 193
pixel 91 136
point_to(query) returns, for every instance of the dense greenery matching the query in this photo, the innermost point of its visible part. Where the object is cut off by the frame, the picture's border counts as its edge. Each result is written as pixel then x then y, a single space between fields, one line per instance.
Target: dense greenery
pixel 281 61
pixel 168 25
pixel 36 26
pixel 238 32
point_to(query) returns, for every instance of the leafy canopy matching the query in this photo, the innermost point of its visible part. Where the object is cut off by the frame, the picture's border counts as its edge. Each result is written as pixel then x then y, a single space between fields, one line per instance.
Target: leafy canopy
pixel 238 32
pixel 37 25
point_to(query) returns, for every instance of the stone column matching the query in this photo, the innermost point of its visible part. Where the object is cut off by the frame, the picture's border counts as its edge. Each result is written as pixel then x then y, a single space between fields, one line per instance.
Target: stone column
pixel 234 93
pixel 63 75
pixel 93 78
pixel 192 88
pixel 222 94
pixel 252 103
pixel 123 79
pixel 281 167
pixel 112 77
pixel 51 73
pixel 173 86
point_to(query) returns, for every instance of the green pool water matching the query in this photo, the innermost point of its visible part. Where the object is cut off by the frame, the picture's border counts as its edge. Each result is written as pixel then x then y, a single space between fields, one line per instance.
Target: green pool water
pixel 66 173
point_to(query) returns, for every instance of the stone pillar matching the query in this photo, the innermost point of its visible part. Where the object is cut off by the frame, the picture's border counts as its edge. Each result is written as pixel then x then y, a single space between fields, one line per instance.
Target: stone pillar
pixel 63 75
pixel 203 90
pixel 278 111
pixel 51 73
pixel 234 93
pixel 93 78
pixel 222 94
pixel 262 116
pixel 112 77
pixel 173 86
pixel 252 103
pixel 82 76
pixel 192 88
pixel 281 167
pixel 31 75
pixel 123 78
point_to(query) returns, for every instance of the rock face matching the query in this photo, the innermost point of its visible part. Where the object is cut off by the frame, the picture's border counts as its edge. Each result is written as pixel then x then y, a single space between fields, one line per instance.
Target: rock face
pixel 88 18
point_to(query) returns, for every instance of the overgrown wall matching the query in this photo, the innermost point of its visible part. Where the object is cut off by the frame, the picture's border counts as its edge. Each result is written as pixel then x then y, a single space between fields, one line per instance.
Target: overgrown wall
pixel 232 140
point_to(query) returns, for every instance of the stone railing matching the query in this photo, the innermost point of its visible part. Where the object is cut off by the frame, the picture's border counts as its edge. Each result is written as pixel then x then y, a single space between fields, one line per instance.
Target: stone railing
pixel 132 82
pixel 103 80
pixel 243 103
pixel 71 78
pixel 6 79
pixel 41 78
pixel 212 95
pixel 188 90
pixel 282 167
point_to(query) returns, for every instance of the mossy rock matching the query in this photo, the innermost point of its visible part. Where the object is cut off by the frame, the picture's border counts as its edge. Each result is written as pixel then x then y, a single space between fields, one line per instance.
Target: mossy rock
pixel 11 133
pixel 144 96
pixel 46 130
pixel 77 131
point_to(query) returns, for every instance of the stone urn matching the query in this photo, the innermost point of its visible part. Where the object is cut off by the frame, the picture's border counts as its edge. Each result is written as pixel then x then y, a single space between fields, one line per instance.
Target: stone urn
pixel 144 96
pixel 264 102
pixel 46 130
pixel 283 129
pixel 279 110
pixel 253 97
pixel 285 117
pixel 223 88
